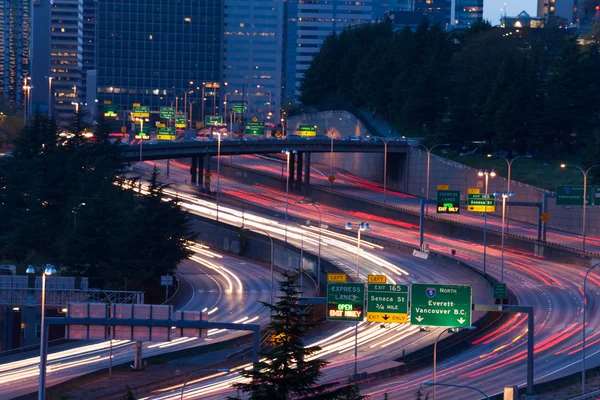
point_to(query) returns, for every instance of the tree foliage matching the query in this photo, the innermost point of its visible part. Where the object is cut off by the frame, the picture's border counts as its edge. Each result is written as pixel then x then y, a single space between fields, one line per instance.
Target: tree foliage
pixel 289 369
pixel 534 90
pixel 118 238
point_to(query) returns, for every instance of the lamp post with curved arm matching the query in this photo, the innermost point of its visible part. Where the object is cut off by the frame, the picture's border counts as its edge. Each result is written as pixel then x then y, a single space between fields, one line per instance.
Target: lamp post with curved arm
pixel 287 188
pixel 429 150
pixel 449 330
pixel 585 174
pixel 509 164
pixel 455 386
pixel 487 174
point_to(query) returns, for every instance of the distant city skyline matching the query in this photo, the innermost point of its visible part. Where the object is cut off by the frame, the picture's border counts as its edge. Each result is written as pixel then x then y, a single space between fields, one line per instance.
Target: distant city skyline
pixel 494 9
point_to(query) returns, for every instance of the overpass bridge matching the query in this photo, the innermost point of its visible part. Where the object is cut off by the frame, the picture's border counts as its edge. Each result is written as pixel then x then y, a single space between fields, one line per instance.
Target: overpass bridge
pixel 201 153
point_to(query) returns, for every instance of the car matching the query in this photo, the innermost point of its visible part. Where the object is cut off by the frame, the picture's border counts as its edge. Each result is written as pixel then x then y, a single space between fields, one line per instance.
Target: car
pixel 355 138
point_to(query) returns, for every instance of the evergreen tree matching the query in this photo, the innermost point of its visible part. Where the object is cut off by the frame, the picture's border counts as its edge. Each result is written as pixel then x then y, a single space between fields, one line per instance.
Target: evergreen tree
pixel 289 369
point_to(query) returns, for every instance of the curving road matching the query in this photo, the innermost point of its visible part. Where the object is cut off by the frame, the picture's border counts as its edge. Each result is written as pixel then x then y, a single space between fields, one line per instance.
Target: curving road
pixel 496 358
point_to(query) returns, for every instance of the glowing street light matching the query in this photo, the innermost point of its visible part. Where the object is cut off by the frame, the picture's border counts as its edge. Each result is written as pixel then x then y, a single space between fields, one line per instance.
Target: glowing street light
pixel 487 174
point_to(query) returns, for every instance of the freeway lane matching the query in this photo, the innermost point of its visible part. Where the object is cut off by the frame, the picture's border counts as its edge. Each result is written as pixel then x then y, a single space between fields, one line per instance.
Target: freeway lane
pixel 227 288
pixel 554 290
pixel 348 184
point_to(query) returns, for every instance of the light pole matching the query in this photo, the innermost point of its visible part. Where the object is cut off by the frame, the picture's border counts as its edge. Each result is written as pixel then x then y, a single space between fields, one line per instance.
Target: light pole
pixel 504 197
pixel 331 160
pixel 224 370
pixel 362 227
pixel 272 256
pixel 487 174
pixel 455 386
pixel 287 188
pixel 509 164
pixel 141 137
pixel 429 150
pixel 585 174
pixel 319 256
pixel 583 330
pixel 75 210
pixel 48 270
pixel 385 143
pixel 218 170
pixel 449 330
pixel 50 95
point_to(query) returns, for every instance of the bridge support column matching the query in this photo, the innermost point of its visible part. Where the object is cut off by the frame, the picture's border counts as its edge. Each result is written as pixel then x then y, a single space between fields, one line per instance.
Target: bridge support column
pixel 201 171
pixel 306 173
pixel 207 180
pixel 137 361
pixel 299 170
pixel 292 164
pixel 193 169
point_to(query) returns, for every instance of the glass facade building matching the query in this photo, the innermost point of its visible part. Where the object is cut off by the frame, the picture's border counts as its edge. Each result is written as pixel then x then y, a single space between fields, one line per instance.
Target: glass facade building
pixel 15 43
pixel 150 51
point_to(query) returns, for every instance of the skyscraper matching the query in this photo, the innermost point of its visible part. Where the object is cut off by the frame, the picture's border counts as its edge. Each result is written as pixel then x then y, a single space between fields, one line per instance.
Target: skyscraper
pixel 252 56
pixel 66 54
pixel 309 22
pixel 152 51
pixel 15 43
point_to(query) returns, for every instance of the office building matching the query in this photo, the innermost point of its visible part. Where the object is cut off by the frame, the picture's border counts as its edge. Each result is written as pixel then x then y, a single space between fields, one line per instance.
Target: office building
pixel 252 56
pixel 309 22
pixel 15 42
pixel 581 12
pixel 66 58
pixel 40 56
pixel 88 60
pixel 464 13
pixel 153 52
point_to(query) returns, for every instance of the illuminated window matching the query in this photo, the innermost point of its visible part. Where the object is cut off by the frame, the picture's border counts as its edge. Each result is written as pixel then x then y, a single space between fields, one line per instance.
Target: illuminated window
pixel 187 19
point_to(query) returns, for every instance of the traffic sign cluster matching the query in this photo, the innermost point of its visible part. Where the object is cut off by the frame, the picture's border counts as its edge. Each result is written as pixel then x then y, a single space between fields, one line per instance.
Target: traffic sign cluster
pixel 431 304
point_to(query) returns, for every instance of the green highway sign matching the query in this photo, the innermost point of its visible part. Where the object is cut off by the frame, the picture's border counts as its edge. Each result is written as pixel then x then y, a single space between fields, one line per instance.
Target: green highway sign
pixel 307 130
pixel 213 120
pixel 448 202
pixel 345 302
pixel 166 134
pixel 500 290
pixel 573 195
pixel 238 107
pixel 255 128
pixel 180 122
pixel 167 112
pixel 141 112
pixel 387 303
pixel 146 128
pixel 433 304
pixel 479 203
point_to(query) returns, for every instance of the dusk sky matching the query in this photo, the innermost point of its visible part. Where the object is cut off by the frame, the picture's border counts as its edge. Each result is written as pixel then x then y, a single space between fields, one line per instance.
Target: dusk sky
pixel 493 9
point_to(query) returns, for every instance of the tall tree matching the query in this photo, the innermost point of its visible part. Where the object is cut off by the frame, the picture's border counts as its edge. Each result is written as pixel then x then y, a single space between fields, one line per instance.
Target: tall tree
pixel 289 369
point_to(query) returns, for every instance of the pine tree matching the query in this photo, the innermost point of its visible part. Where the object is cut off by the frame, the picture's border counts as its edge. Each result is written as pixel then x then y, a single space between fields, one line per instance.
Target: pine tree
pixel 289 370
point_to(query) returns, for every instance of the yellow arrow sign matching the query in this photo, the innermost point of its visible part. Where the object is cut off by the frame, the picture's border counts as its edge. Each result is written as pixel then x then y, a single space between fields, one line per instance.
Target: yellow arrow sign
pixel 385 317
pixel 481 209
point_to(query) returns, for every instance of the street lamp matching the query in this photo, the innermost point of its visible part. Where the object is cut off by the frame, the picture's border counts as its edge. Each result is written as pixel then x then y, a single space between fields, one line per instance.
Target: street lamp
pixel 585 173
pixel 362 227
pixel 141 137
pixel 75 209
pixel 449 330
pixel 509 163
pixel 48 270
pixel 504 197
pixel 287 188
pixel 219 169
pixel 429 150
pixel 583 329
pixel 385 143
pixel 50 95
pixel 487 174
pixel 223 370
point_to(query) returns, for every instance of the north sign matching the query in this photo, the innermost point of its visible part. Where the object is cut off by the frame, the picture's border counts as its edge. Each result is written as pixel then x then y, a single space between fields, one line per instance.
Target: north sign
pixel 387 303
pixel 572 195
pixel 448 202
pixel 433 304
pixel 345 302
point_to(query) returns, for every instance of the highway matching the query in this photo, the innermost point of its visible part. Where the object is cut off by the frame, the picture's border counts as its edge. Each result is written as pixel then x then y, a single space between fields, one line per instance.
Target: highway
pixel 225 287
pixel 497 358
pixel 349 184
